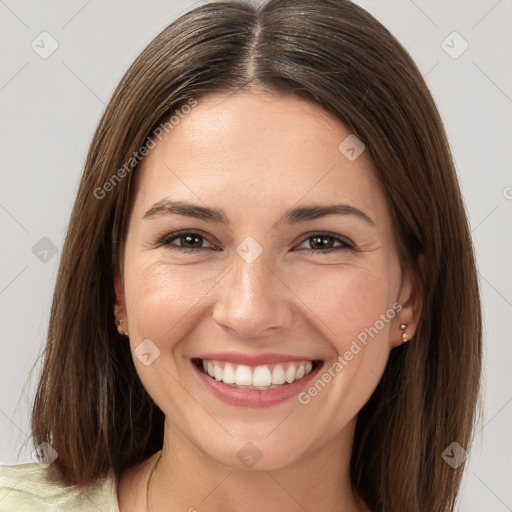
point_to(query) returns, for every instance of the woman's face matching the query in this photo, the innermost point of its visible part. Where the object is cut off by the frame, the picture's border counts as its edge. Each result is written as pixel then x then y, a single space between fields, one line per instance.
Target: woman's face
pixel 230 260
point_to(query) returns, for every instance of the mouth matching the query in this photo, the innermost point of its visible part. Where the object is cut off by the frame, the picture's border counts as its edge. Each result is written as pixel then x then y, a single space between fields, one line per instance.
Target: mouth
pixel 262 377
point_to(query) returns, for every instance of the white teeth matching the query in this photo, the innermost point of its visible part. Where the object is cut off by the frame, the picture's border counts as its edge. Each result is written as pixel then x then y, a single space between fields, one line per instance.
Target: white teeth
pixel 261 377
pixel 243 375
pixel 229 374
pixel 289 375
pixel 278 374
pixel 217 372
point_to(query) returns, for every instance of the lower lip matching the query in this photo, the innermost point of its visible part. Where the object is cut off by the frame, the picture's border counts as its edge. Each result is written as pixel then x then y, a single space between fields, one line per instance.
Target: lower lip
pixel 254 397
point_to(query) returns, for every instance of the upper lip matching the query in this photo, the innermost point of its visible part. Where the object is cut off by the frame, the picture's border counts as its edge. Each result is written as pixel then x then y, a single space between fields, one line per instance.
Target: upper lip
pixel 253 359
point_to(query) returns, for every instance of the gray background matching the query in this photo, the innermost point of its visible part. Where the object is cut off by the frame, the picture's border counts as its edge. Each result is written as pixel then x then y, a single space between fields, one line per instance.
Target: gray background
pixel 50 108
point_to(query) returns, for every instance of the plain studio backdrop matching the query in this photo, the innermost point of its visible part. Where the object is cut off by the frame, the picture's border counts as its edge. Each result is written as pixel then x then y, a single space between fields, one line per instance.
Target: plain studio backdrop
pixel 61 62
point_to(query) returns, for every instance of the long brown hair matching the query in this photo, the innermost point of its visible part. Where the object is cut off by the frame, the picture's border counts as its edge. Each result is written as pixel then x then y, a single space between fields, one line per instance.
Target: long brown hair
pixel 90 404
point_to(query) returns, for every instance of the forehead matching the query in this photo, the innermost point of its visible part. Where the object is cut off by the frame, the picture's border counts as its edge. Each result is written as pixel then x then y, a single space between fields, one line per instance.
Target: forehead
pixel 270 149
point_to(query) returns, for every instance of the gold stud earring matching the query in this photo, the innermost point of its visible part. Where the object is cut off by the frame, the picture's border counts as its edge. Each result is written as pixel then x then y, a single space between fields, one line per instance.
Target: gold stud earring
pixel 405 336
pixel 119 323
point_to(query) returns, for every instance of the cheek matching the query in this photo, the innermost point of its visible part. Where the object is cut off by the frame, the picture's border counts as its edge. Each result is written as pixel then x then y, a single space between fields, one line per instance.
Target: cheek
pixel 357 312
pixel 350 301
pixel 357 316
pixel 160 298
pixel 162 306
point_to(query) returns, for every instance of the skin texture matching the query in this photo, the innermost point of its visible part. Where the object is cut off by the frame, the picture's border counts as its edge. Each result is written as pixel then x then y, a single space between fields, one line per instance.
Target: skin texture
pixel 255 155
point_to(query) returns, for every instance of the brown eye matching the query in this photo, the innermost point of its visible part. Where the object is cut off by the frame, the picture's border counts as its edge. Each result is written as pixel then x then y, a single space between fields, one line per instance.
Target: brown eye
pixel 326 243
pixel 187 241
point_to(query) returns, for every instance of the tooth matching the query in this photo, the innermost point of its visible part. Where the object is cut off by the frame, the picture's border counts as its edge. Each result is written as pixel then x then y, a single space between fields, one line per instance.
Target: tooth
pixel 278 374
pixel 261 376
pixel 217 371
pixel 243 375
pixel 289 375
pixel 229 374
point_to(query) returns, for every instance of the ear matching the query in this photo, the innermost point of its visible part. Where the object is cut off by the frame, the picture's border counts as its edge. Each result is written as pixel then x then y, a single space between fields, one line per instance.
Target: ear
pixel 120 306
pixel 411 299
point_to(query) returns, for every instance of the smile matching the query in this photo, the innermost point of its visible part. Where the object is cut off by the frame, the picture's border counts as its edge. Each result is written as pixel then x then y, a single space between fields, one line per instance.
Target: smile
pixel 261 377
pixel 256 384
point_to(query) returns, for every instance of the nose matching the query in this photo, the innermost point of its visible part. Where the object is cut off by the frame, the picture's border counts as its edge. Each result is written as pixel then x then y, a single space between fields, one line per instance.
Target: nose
pixel 253 299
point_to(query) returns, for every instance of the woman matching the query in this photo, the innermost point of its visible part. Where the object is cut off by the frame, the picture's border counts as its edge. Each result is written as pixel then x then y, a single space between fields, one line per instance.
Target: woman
pixel 267 297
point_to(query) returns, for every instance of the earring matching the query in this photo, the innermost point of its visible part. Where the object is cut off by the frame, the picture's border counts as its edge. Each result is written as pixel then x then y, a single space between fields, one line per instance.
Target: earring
pixel 405 336
pixel 118 324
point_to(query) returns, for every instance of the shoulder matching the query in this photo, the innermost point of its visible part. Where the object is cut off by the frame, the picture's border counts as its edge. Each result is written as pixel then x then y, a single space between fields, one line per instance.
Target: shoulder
pixel 31 487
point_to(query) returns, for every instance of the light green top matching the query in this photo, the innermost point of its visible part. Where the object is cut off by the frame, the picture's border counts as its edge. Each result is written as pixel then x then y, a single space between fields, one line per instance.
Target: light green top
pixel 32 488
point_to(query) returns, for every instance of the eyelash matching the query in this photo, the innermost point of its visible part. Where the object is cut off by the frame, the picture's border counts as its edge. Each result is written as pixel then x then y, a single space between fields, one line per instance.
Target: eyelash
pixel 166 241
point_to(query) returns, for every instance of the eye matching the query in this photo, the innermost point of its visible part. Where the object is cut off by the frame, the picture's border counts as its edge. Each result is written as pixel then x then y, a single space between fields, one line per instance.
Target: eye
pixel 322 243
pixel 190 241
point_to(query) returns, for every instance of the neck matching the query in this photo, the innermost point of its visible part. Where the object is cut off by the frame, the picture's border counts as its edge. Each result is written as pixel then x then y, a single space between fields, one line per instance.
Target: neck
pixel 187 479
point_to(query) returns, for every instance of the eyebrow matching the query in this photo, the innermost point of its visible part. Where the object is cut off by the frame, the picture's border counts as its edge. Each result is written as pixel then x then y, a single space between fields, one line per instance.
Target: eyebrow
pixel 292 216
